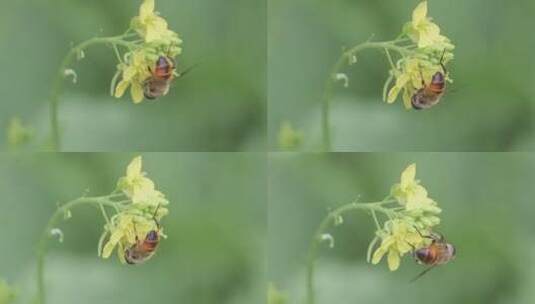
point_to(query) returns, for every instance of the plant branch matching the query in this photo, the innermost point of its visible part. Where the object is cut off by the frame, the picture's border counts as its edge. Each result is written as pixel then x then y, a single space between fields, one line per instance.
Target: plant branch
pixel 42 247
pixel 346 57
pixel 325 224
pixel 57 87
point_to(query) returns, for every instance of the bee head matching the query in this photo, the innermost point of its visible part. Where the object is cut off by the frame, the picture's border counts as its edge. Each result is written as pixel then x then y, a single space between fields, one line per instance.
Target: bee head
pixel 415 101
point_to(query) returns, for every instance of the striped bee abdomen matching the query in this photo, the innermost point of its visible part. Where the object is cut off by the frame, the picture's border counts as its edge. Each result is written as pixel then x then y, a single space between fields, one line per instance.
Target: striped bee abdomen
pixel 426 255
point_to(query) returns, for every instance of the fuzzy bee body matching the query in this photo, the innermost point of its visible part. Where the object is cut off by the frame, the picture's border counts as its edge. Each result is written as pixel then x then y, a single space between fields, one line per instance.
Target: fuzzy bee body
pixel 143 249
pixel 429 95
pixel 439 252
pixel 435 254
pixel 162 74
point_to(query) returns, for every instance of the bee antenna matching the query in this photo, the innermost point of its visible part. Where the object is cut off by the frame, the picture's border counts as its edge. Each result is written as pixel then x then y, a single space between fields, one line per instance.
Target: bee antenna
pixel 422 75
pixel 187 70
pixel 434 238
pixel 135 232
pixel 442 61
pixel 442 57
pixel 154 216
pixel 422 273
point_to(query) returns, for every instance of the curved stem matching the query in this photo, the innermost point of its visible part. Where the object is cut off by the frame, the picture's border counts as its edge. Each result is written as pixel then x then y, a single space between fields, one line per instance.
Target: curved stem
pixel 322 228
pixel 42 247
pixel 57 88
pixel 328 88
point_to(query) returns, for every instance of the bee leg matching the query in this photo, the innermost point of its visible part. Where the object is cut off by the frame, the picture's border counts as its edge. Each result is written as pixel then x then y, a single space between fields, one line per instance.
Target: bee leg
pixel 431 237
pixel 440 236
pixel 135 232
pixel 413 251
pixel 422 77
pixel 173 62
pixel 154 216
pixel 442 62
pixel 422 273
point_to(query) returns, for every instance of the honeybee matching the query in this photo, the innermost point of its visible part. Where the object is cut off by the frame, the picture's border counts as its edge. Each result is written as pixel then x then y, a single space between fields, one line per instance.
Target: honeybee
pixel 429 95
pixel 162 74
pixel 439 252
pixel 144 249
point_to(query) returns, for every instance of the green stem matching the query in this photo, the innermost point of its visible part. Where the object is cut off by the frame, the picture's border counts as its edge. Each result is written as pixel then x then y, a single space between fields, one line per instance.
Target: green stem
pixel 328 88
pixel 57 88
pixel 325 224
pixel 42 247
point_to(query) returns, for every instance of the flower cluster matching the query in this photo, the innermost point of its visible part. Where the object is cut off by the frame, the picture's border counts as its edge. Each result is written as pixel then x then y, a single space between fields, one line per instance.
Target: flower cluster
pixel 421 59
pixel 289 138
pixel 415 217
pixel 156 40
pixel 139 214
pixel 18 134
pixel 7 294
pixel 275 296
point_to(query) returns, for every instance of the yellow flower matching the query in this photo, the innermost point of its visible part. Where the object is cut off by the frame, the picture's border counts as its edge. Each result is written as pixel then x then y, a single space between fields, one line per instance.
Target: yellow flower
pixel 135 72
pixel 289 138
pixel 125 229
pixel 409 191
pixel 398 238
pixel 424 32
pixel 275 296
pixel 7 294
pixel 153 28
pixel 409 78
pixel 17 133
pixel 139 188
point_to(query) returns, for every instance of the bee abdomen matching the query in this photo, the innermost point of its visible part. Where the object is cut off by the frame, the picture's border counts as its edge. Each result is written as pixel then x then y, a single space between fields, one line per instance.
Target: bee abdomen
pixel 426 256
pixel 150 246
pixel 437 83
pixel 164 69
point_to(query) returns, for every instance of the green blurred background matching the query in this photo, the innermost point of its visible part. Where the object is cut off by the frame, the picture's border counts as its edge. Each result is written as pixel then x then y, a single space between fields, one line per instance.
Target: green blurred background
pixel 488 208
pixel 489 107
pixel 215 248
pixel 219 106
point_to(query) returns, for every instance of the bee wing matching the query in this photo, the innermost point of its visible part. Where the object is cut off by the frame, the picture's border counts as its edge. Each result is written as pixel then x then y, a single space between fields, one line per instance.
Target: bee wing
pixel 421 274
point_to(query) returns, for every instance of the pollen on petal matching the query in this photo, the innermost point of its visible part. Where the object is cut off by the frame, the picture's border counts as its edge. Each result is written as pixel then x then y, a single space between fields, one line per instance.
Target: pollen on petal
pixel 137 93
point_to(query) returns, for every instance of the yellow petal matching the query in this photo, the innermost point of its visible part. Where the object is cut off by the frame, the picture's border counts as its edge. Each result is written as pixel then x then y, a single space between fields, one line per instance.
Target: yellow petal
pixel 121 88
pixel 146 9
pixel 120 254
pixel 393 260
pixel 401 80
pixel 382 249
pixel 407 99
pixel 156 30
pixel 108 248
pixel 110 245
pixel 134 168
pixel 378 255
pixel 429 36
pixel 403 246
pixel 408 175
pixel 393 94
pixel 137 92
pixel 420 13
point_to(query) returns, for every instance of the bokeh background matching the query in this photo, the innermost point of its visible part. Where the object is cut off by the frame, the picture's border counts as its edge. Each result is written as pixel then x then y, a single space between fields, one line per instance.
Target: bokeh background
pixel 489 107
pixel 216 229
pixel 487 203
pixel 219 106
